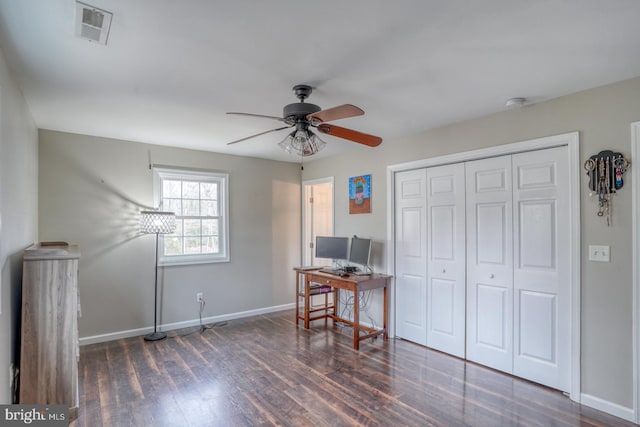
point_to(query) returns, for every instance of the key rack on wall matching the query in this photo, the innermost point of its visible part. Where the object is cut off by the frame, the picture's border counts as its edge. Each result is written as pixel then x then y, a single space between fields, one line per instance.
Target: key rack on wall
pixel 605 171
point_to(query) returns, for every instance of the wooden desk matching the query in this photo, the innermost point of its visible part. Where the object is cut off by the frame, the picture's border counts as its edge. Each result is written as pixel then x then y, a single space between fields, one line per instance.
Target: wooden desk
pixel 353 283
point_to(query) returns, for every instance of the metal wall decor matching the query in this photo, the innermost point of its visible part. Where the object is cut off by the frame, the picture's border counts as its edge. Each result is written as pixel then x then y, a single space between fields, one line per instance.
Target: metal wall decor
pixel 605 171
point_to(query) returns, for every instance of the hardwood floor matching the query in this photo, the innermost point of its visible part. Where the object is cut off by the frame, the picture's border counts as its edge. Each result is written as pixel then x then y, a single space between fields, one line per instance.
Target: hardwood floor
pixel 264 371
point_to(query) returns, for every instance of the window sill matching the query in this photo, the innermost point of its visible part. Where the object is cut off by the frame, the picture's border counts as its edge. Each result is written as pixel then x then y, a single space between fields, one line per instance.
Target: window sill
pixel 164 262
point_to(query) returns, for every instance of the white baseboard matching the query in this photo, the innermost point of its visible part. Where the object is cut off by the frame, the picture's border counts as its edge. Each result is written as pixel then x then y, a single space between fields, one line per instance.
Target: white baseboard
pixel 112 336
pixel 608 407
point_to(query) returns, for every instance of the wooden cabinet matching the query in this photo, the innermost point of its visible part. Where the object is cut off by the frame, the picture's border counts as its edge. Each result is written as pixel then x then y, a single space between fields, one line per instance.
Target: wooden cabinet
pixel 49 348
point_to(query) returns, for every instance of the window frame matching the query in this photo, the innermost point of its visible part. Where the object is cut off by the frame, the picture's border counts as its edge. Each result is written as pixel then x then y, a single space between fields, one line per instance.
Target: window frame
pixel 222 178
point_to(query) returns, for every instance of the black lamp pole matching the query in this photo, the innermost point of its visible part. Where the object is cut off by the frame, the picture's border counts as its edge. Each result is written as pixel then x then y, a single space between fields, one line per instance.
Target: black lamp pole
pixel 155 335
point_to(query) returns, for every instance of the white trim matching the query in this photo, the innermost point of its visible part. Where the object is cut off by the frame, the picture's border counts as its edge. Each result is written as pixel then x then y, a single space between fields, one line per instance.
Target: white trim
pixel 391 251
pixel 635 211
pixel 575 269
pixel 608 407
pixel 498 150
pixel 112 336
pixel 572 142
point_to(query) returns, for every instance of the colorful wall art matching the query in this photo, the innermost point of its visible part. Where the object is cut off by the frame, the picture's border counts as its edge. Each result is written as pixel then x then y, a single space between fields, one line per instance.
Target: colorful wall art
pixel 360 194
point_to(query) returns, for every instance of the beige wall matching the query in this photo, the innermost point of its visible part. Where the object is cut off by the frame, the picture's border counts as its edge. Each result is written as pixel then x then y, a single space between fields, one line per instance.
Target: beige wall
pixel 18 213
pixel 603 117
pixel 91 191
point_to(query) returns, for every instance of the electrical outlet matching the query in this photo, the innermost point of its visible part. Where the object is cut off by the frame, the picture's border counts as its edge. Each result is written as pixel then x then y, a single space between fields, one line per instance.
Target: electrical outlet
pixel 199 297
pixel 599 253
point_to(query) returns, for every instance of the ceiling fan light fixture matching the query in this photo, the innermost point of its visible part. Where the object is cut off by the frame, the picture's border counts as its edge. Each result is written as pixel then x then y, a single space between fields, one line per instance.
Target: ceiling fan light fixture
pixel 302 142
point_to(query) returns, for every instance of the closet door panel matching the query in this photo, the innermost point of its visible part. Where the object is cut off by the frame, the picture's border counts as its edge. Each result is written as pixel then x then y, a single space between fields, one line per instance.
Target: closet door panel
pixel 411 256
pixel 446 259
pixel 541 275
pixel 490 262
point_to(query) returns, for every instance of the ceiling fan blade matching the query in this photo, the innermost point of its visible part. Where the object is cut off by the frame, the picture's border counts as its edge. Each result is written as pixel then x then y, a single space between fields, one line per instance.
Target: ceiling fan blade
pixel 257 134
pixel 335 113
pixel 258 115
pixel 351 135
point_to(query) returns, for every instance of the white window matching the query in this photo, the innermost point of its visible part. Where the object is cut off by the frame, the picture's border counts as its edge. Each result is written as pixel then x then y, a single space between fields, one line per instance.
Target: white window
pixel 200 201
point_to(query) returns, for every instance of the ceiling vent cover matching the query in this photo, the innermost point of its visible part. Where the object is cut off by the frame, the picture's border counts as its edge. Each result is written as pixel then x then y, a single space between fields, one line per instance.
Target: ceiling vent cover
pixel 92 23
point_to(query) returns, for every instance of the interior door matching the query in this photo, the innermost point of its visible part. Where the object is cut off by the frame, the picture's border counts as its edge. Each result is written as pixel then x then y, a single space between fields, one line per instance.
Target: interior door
pixel 446 311
pixel 490 262
pixel 318 216
pixel 411 255
pixel 541 267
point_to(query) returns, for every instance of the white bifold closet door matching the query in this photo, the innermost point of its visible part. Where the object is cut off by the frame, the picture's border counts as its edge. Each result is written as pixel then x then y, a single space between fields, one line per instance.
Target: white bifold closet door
pixel 518 265
pixel 490 263
pixel 411 255
pixel 542 330
pixel 446 259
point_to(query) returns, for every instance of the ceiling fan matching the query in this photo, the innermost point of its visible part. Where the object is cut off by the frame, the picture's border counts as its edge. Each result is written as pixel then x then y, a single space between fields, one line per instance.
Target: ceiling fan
pixel 304 116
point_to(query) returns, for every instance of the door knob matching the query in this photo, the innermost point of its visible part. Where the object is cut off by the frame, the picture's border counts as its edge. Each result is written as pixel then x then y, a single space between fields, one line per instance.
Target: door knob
pixel 444 271
pixel 491 276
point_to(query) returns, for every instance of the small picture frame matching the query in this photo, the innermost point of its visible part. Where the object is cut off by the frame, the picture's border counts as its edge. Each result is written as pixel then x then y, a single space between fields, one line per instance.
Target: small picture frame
pixel 360 194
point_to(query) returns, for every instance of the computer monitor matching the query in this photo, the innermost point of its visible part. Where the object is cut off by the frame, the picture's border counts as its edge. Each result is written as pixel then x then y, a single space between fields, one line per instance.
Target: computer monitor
pixel 360 251
pixel 332 247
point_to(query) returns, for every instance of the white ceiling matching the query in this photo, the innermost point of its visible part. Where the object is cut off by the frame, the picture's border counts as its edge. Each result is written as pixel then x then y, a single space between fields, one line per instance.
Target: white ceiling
pixel 171 69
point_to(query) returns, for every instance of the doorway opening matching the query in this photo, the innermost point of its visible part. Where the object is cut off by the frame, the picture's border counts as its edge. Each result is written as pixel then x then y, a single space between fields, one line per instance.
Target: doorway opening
pixel 317 215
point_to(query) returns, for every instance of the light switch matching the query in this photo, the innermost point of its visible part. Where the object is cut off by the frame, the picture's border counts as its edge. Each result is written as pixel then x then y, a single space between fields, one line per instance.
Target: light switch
pixel 599 253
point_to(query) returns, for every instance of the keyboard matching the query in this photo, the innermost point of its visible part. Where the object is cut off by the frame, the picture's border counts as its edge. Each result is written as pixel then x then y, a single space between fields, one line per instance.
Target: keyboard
pixel 336 271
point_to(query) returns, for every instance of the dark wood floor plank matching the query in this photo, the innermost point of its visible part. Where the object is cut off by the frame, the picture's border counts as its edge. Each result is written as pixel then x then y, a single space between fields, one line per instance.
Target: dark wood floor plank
pixel 265 371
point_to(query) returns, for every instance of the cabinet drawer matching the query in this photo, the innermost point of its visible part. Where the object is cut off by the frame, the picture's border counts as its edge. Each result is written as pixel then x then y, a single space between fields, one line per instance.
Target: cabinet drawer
pixel 329 282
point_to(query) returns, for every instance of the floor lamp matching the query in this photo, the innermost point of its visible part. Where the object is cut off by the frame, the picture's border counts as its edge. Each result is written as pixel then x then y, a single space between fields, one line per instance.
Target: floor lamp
pixel 156 222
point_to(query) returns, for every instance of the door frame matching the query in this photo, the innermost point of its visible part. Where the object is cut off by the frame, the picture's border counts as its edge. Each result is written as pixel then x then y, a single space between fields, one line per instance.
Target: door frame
pixel 311 182
pixel 635 211
pixel 571 141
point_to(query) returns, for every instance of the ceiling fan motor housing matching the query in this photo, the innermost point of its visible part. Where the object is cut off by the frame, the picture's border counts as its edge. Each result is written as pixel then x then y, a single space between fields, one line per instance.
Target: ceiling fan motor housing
pixel 299 110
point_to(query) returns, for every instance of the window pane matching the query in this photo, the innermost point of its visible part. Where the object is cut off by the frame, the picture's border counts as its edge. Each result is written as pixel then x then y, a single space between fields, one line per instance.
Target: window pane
pixel 209 208
pixel 190 190
pixel 209 227
pixel 210 245
pixel 172 246
pixel 171 188
pixel 191 207
pixel 192 227
pixel 197 200
pixel 192 245
pixel 209 190
pixel 179 228
pixel 172 205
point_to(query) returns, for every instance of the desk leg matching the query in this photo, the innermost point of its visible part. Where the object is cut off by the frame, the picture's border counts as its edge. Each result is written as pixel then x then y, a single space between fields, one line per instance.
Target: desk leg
pixel 297 297
pixel 356 320
pixel 385 313
pixel 307 301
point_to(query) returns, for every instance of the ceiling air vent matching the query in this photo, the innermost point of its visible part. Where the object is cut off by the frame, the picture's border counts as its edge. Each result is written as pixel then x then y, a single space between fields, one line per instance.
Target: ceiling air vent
pixel 92 23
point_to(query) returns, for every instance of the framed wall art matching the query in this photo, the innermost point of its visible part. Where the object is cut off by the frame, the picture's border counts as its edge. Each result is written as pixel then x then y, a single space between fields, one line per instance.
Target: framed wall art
pixel 360 194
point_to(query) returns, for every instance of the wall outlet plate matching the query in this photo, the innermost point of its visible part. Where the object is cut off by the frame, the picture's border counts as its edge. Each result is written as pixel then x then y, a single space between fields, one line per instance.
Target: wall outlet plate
pixel 199 297
pixel 599 253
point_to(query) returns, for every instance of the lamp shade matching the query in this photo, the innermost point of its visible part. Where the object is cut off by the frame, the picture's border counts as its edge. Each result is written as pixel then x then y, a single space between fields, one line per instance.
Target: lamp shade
pixel 157 222
pixel 302 142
